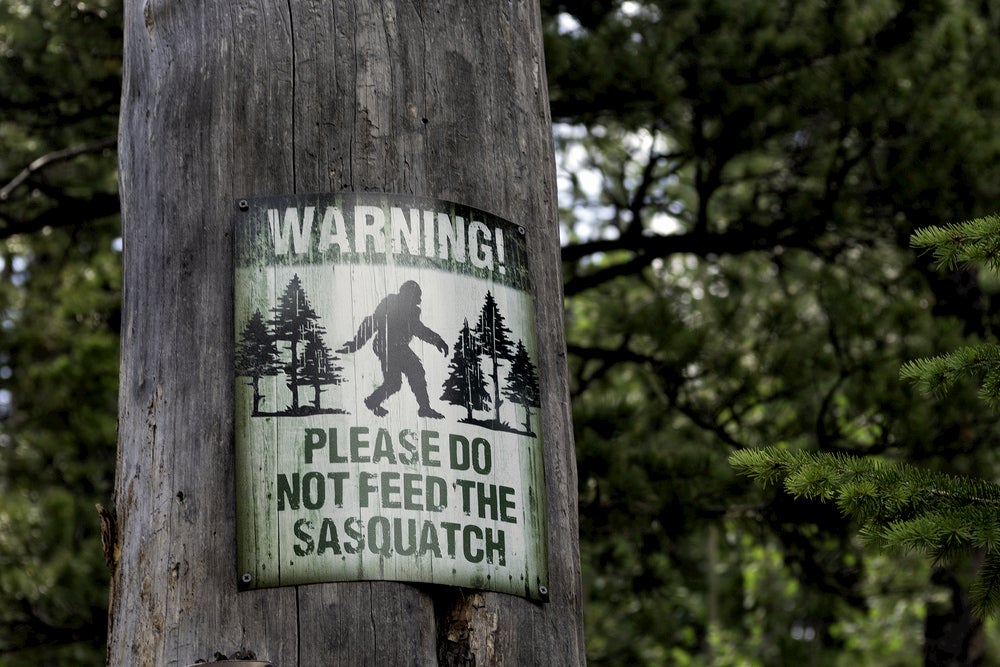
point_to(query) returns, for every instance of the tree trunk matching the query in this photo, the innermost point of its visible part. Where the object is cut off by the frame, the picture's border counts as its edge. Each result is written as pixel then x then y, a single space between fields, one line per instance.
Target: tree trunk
pixel 953 635
pixel 228 99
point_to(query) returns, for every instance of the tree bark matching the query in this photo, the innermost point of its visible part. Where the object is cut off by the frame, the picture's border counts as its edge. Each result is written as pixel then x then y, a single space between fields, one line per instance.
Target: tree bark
pixel 221 100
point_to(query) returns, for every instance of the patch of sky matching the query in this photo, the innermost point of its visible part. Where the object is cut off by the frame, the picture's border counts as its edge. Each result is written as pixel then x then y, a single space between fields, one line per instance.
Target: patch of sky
pixel 580 183
pixel 567 24
pixel 6 403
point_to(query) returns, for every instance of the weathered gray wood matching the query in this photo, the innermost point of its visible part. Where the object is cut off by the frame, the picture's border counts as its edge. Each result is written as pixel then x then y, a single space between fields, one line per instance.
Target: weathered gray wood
pixel 221 99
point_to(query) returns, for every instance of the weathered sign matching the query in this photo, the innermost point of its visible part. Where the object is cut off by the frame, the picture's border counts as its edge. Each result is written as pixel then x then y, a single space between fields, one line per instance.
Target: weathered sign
pixel 387 398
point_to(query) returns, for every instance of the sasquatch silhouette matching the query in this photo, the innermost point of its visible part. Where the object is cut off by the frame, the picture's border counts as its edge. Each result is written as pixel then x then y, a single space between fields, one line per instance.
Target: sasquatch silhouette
pixel 394 323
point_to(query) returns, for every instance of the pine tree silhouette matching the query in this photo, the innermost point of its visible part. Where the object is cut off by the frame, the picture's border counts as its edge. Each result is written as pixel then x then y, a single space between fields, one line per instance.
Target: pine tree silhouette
pixel 494 337
pixel 522 384
pixel 318 368
pixel 256 355
pixel 466 385
pixel 294 321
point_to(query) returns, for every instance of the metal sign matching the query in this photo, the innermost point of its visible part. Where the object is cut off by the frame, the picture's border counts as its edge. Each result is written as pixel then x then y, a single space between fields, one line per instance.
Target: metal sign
pixel 387 398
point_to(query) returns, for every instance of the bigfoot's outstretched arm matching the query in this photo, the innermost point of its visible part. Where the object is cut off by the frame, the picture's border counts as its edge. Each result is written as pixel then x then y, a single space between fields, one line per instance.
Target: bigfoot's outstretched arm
pixel 428 335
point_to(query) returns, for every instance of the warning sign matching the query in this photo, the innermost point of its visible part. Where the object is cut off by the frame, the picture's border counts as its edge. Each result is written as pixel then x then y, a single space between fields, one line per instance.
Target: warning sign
pixel 387 395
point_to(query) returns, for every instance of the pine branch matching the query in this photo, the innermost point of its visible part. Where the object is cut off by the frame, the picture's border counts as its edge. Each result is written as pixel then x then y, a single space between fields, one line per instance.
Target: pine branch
pixel 898 507
pixel 976 242
pixel 937 375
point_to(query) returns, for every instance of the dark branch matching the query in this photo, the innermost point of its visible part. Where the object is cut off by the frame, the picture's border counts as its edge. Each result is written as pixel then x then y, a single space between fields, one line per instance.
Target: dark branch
pixel 52 158
pixel 647 249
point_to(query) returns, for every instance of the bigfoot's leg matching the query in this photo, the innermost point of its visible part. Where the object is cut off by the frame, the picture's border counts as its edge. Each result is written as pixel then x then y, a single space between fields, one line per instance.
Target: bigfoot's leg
pixel 414 371
pixel 392 381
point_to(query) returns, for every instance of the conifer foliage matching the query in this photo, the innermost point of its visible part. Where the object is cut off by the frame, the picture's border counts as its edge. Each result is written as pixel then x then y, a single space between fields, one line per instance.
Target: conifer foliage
pixel 976 242
pixel 898 507
pixel 936 375
pixel 901 507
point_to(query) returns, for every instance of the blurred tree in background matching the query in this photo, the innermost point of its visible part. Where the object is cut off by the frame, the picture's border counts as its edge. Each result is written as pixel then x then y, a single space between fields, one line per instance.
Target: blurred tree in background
pixel 740 180
pixel 59 322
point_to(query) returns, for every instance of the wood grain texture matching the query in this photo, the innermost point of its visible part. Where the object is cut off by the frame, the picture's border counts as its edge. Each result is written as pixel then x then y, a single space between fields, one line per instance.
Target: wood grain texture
pixel 225 99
